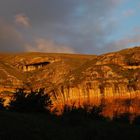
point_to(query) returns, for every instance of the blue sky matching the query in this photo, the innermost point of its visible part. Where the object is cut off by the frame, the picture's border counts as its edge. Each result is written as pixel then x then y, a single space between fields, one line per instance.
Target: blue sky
pixel 128 18
pixel 69 26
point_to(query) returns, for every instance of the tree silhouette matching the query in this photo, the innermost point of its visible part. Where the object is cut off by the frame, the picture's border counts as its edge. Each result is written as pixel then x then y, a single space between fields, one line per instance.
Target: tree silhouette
pixel 2 104
pixel 136 120
pixel 34 101
pixel 122 117
pixel 96 112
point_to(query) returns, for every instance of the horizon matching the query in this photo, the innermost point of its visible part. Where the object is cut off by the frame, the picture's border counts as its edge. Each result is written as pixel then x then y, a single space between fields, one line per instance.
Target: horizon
pixel 71 27
pixel 67 53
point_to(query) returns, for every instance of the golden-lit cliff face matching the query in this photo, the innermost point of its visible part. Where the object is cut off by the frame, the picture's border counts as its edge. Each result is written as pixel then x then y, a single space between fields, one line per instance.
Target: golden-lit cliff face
pixel 74 79
pixel 109 76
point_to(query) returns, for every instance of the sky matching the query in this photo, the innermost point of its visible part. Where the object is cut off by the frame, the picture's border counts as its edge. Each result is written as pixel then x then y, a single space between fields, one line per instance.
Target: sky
pixel 69 26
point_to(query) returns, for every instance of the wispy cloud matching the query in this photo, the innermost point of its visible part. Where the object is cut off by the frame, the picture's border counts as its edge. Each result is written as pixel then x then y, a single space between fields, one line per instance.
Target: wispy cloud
pixel 129 12
pixel 23 20
pixel 45 45
pixel 81 26
pixel 122 43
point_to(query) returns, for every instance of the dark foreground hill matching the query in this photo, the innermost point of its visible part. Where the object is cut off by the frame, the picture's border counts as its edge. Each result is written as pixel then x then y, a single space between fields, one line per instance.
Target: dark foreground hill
pixel 20 126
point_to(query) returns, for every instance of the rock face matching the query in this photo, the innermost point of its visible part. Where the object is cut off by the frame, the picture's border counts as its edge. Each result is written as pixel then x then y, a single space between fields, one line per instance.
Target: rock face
pixel 74 79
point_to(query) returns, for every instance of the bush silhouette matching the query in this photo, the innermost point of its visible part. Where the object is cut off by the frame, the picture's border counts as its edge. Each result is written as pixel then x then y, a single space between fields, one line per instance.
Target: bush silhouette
pixel 122 118
pixel 73 115
pixel 96 112
pixel 78 115
pixel 74 111
pixel 2 104
pixel 35 101
pixel 136 120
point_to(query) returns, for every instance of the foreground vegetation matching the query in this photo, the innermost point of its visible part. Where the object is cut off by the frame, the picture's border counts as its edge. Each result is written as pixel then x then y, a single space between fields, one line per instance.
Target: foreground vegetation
pixel 27 117
pixel 43 127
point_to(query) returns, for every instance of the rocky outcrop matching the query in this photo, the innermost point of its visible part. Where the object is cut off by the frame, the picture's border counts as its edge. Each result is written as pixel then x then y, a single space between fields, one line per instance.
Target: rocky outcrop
pixel 27 64
pixel 34 66
pixel 92 90
pixel 132 67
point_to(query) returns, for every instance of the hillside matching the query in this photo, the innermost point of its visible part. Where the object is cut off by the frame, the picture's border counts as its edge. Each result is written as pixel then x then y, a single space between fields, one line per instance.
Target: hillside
pixel 73 78
pixel 34 70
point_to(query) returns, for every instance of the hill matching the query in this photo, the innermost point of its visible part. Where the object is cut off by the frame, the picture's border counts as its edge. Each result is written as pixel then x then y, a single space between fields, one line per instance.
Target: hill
pixel 73 78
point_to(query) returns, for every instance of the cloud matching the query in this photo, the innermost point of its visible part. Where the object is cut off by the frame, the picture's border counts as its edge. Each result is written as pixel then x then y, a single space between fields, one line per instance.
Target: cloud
pixel 122 43
pixel 129 12
pixel 22 20
pixel 136 29
pixel 82 25
pixel 12 41
pixel 44 45
pixel 10 38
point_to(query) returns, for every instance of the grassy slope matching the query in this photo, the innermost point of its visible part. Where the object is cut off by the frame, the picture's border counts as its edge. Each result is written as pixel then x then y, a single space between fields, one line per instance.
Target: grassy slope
pixel 15 126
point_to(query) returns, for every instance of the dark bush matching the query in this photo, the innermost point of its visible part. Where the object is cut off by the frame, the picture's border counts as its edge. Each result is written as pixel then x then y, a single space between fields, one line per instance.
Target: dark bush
pixel 73 110
pixel 96 112
pixel 136 120
pixel 2 104
pixel 34 101
pixel 78 115
pixel 122 118
pixel 73 116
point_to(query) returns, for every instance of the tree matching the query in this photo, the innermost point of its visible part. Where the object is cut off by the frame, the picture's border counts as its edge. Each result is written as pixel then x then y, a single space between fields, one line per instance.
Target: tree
pixel 34 101
pixel 2 104
pixel 122 117
pixel 136 120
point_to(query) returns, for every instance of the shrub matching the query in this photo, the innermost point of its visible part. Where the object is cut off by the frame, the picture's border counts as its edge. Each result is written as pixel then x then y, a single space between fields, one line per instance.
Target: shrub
pixel 122 118
pixel 96 112
pixel 2 104
pixel 136 120
pixel 36 101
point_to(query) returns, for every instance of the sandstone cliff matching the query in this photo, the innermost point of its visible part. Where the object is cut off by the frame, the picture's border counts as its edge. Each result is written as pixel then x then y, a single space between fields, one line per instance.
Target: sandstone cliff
pixel 74 79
